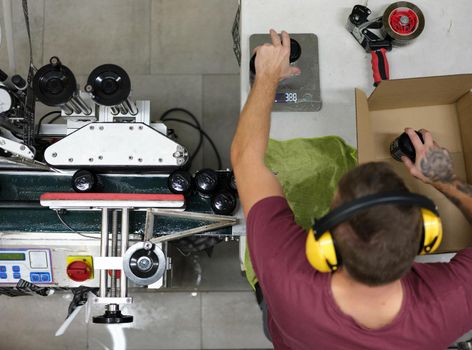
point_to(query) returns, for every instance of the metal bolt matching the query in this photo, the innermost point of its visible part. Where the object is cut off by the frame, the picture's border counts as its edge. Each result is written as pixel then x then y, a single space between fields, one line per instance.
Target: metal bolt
pixel 88 88
pixel 148 245
pixel 404 20
pixel 22 147
pixel 101 128
pixel 92 127
pixel 130 157
pixel 144 263
pixel 178 154
pixel 160 160
pixel 71 160
pixel 2 142
pixel 131 127
pixel 54 155
pixel 90 159
pixel 140 127
pixel 140 160
pixel 100 157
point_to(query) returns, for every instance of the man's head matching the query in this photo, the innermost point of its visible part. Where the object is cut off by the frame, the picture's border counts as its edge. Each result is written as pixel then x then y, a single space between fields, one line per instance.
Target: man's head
pixel 379 244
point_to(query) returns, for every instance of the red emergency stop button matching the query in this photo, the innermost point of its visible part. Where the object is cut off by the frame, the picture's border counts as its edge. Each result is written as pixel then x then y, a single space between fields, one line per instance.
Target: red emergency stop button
pixel 79 271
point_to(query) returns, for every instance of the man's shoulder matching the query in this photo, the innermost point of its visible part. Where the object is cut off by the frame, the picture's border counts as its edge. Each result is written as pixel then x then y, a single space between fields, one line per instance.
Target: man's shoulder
pixel 437 278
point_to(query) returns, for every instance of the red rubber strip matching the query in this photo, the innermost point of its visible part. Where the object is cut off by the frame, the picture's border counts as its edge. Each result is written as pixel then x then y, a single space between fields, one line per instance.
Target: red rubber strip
pixel 111 196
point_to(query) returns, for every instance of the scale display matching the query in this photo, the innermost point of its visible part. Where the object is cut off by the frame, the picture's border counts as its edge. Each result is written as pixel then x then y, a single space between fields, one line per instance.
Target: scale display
pixel 286 97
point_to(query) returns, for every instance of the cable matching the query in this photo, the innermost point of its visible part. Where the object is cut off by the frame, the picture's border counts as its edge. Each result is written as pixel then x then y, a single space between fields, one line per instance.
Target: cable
pixel 54 119
pixel 217 154
pixel 45 116
pixel 194 118
pixel 25 13
pixel 196 126
pixel 70 228
pixel 183 110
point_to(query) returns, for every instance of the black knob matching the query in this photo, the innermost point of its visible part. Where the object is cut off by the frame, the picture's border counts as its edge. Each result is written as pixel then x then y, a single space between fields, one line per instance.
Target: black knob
pixel 179 182
pixel 223 203
pixel 84 181
pixel 54 84
pixel 112 317
pixel 206 181
pixel 402 146
pixel 3 76
pixel 109 85
pixel 295 53
pixel 19 82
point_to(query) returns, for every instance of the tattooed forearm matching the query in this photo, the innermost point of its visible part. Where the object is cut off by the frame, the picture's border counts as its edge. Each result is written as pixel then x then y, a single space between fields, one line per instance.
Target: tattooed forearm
pixel 437 165
pixel 455 193
pixel 464 188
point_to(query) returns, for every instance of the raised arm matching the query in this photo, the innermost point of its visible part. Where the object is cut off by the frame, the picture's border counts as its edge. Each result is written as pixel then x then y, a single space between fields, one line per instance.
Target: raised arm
pixel 254 180
pixel 434 166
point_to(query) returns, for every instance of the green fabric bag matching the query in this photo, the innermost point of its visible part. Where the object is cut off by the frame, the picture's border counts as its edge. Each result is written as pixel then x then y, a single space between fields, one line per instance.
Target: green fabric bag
pixel 308 170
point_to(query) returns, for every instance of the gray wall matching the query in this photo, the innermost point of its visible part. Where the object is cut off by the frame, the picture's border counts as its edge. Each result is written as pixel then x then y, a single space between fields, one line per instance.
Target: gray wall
pixel 178 54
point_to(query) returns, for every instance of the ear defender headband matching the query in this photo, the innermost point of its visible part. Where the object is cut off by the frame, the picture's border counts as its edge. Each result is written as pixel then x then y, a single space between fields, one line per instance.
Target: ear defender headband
pixel 321 249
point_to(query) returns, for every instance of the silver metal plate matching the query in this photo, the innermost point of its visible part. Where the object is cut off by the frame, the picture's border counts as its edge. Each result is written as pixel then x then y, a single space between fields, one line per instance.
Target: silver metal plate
pixel 304 90
pixel 116 145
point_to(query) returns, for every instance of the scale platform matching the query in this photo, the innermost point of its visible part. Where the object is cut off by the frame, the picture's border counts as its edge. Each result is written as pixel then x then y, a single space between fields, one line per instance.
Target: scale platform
pixel 300 93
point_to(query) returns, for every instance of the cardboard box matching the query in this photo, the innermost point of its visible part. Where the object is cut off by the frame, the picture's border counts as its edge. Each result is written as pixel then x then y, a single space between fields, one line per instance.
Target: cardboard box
pixel 442 105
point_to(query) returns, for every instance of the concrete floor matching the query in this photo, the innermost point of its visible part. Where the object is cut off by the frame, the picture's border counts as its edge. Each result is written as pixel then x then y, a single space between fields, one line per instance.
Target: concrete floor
pixel 210 306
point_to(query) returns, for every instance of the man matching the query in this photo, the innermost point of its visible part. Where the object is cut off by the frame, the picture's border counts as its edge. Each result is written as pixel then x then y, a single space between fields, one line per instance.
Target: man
pixel 379 298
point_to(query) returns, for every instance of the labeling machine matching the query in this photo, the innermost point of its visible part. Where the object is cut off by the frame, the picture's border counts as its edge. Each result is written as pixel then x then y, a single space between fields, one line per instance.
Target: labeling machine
pixel 90 205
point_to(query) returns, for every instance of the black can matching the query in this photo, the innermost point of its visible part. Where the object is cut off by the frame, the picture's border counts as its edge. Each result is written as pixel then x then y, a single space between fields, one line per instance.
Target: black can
pixel 206 181
pixel 180 182
pixel 223 203
pixel 402 146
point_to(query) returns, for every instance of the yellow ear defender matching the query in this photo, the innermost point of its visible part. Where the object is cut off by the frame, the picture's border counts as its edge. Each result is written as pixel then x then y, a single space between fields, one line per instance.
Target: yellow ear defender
pixel 321 247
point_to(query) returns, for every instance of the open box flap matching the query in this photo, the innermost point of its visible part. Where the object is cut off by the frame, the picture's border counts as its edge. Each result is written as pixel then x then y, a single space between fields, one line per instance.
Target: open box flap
pixel 416 92
pixel 365 140
pixel 464 111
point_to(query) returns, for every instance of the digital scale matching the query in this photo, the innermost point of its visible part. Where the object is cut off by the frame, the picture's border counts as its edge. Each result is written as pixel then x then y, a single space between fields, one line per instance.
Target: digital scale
pixel 32 265
pixel 300 93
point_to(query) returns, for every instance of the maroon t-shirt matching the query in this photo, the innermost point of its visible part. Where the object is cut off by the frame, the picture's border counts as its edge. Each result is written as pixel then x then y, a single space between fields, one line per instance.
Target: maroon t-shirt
pixel 303 314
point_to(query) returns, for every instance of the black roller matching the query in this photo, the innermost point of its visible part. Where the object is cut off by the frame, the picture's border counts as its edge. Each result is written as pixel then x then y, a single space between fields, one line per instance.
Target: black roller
pixel 54 84
pixel 109 85
pixel 84 181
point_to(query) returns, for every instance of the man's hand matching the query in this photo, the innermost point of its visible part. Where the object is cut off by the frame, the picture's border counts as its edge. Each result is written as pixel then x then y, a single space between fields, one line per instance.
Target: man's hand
pixel 433 164
pixel 272 60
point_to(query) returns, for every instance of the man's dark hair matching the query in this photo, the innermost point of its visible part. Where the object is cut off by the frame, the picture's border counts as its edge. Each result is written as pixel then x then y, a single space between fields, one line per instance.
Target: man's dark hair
pixel 377 245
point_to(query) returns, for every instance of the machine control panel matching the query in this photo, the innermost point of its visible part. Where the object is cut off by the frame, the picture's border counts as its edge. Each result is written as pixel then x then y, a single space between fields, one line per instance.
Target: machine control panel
pixel 300 93
pixel 33 265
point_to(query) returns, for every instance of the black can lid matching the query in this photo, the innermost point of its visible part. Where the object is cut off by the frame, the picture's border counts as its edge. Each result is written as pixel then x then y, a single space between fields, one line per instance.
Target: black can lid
pixel 223 203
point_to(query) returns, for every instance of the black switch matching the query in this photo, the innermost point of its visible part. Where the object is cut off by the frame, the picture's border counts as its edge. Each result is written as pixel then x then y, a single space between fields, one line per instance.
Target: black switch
pixel 19 82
